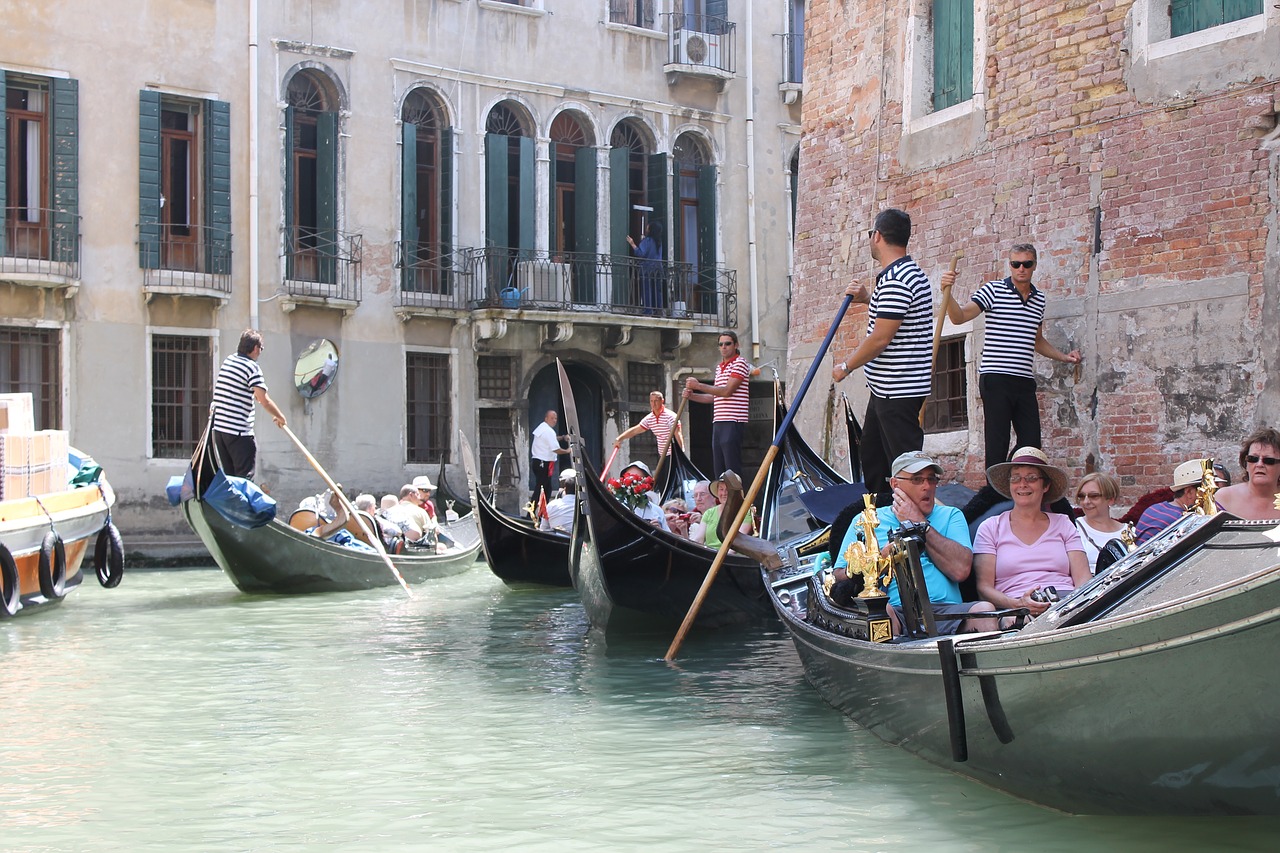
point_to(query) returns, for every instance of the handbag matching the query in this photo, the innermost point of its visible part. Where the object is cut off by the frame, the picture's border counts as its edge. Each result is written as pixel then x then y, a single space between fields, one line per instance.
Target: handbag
pixel 1108 553
pixel 240 501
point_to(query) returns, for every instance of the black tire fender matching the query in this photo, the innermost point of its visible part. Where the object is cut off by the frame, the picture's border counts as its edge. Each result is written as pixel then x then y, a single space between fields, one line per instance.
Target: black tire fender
pixel 53 567
pixel 10 593
pixel 108 556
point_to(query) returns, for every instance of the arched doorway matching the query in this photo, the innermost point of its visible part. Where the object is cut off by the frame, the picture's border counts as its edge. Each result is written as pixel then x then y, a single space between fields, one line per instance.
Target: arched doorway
pixel 589 395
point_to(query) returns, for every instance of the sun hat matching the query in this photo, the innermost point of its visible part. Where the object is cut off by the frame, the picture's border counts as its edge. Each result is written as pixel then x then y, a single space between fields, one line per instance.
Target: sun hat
pixel 1189 473
pixel 568 474
pixel 638 464
pixel 998 475
pixel 423 482
pixel 913 462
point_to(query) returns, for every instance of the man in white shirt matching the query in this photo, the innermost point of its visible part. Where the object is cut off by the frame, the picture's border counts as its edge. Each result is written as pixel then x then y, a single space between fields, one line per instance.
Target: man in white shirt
pixel 544 450
pixel 560 511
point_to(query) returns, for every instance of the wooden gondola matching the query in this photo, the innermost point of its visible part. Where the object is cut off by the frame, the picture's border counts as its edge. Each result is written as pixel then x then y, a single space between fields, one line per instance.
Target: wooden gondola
pixel 276 558
pixel 623 567
pixel 799 482
pixel 448 499
pixel 1146 691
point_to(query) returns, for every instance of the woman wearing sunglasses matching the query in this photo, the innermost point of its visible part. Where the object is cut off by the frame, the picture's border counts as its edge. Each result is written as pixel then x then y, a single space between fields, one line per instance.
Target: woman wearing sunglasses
pixel 1256 497
pixel 1096 494
pixel 1006 380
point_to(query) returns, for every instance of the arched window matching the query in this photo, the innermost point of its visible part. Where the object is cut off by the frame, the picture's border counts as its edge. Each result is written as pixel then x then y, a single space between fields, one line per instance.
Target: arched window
pixel 311 179
pixel 426 195
pixel 694 212
pixel 508 180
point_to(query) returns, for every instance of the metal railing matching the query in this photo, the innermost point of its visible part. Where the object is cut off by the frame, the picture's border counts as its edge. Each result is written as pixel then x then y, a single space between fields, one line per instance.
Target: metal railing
pixel 793 57
pixel 41 241
pixel 518 279
pixel 433 275
pixel 700 41
pixel 323 263
pixel 199 258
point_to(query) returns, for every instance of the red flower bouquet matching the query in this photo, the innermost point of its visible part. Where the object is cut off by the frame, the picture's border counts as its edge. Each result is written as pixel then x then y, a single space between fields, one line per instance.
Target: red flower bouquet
pixel 631 489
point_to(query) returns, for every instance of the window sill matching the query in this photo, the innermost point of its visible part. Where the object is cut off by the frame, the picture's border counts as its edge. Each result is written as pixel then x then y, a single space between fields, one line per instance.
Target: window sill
pixel 1210 37
pixel 633 30
pixel 48 275
pixel 1209 60
pixel 513 8
pixel 944 136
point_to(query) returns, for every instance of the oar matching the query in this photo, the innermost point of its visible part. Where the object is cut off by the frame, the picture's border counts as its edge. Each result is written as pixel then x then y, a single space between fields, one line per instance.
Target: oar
pixel 937 328
pixel 757 482
pixel 609 464
pixel 351 510
pixel 674 427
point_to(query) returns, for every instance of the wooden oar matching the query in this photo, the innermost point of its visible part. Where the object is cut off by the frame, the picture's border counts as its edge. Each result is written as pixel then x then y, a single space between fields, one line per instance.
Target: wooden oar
pixel 374 537
pixel 937 328
pixel 674 427
pixel 609 464
pixel 757 482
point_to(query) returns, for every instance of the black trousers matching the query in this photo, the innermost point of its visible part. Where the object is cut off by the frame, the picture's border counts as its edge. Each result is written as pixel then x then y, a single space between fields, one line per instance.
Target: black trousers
pixel 726 448
pixel 1008 402
pixel 542 478
pixel 239 454
pixel 891 428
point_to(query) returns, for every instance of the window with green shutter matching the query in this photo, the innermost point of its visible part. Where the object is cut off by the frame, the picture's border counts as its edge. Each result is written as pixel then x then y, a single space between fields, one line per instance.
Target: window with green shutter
pixel 1190 16
pixel 952 52
pixel 39 168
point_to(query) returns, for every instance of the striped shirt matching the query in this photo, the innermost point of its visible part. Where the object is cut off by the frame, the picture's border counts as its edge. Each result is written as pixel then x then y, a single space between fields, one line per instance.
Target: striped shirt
pixel 904 369
pixel 233 394
pixel 1012 326
pixel 737 406
pixel 661 427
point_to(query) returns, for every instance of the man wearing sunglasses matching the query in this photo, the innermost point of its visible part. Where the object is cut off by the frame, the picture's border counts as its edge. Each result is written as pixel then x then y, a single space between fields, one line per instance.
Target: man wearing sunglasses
pixel 1255 498
pixel 1014 333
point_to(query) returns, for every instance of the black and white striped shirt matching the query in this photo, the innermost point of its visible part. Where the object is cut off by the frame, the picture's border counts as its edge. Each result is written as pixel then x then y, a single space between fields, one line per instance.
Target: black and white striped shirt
pixel 233 394
pixel 903 293
pixel 1012 326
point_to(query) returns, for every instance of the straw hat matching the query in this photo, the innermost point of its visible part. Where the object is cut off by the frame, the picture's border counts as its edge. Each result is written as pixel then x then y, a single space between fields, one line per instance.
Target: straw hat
pixel 998 475
pixel 1189 473
pixel 424 483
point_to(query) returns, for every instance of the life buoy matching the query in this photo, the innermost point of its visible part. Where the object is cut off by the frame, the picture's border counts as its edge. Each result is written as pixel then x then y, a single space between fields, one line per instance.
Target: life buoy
pixel 53 567
pixel 108 556
pixel 10 594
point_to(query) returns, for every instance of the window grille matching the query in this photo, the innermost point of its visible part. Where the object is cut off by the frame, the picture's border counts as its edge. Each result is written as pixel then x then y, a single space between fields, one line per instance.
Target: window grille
pixel 428 406
pixel 181 392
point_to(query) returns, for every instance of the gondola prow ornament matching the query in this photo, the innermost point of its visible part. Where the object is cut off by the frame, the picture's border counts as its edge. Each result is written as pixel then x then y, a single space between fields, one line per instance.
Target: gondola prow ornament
pixel 1205 505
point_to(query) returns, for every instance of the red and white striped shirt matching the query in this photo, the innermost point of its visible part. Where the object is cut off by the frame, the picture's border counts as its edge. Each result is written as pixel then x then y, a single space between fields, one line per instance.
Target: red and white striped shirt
pixel 661 427
pixel 737 406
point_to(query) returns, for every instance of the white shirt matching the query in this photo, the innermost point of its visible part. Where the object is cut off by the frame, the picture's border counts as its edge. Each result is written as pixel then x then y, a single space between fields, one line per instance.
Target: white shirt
pixel 652 511
pixel 545 443
pixel 560 514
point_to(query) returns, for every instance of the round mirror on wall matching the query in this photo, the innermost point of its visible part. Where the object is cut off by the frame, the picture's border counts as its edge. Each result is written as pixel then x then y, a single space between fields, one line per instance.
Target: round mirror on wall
pixel 316 368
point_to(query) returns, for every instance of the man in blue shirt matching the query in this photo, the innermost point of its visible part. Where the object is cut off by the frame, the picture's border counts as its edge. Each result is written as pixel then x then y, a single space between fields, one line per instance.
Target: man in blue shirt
pixel 1186 480
pixel 946 558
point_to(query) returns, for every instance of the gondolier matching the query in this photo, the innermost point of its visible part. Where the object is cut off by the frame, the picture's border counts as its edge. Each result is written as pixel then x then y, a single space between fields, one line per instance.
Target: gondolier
pixel 730 399
pixel 238 385
pixel 544 450
pixel 660 421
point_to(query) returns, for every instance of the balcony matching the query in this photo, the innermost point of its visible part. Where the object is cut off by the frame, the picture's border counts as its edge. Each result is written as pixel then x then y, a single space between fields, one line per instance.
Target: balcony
pixel 190 260
pixel 322 269
pixel 792 85
pixel 433 278
pixel 699 46
pixel 40 247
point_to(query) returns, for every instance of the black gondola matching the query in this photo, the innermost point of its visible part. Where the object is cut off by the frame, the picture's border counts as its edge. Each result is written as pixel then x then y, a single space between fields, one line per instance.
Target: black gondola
pixel 447 498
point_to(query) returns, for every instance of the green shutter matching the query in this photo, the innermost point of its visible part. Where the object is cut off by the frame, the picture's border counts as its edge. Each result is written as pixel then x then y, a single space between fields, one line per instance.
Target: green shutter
pixel 290 239
pixel 584 187
pixel 658 191
pixel 1190 16
pixel 619 221
pixel 327 194
pixel 149 234
pixel 526 196
pixel 66 170
pixel 1235 10
pixel 4 167
pixel 707 236
pixel 552 207
pixel 217 186
pixel 446 209
pixel 496 216
pixel 408 203
pixel 952 52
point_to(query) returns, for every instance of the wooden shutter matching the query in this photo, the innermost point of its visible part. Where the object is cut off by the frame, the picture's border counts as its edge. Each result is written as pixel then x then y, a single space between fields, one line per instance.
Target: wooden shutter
pixel 584 180
pixel 290 239
pixel 327 195
pixel 66 169
pixel 217 185
pixel 496 215
pixel 4 161
pixel 553 211
pixel 1190 16
pixel 408 203
pixel 445 183
pixel 619 222
pixel 952 52
pixel 526 196
pixel 707 236
pixel 149 180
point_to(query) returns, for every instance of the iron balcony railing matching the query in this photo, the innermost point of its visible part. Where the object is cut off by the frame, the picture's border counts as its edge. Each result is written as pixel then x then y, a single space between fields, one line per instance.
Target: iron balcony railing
pixel 323 263
pixel 793 57
pixel 517 279
pixel 40 240
pixel 433 275
pixel 195 256
pixel 701 41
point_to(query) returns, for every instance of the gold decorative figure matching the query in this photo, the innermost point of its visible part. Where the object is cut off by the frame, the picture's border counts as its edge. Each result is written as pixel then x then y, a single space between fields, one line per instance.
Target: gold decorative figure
pixel 1129 537
pixel 870 564
pixel 1205 504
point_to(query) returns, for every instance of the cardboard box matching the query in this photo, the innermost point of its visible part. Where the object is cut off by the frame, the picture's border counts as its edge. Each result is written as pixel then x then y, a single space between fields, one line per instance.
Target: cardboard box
pixel 17 413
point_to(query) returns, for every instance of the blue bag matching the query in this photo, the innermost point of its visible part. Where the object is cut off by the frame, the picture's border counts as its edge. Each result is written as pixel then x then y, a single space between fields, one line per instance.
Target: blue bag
pixel 181 488
pixel 239 501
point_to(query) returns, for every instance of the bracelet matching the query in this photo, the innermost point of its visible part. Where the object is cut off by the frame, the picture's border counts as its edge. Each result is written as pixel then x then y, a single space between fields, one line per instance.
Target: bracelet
pixel 844 366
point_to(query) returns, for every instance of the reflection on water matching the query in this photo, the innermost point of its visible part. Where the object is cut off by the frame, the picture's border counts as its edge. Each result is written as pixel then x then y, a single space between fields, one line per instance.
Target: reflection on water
pixel 176 712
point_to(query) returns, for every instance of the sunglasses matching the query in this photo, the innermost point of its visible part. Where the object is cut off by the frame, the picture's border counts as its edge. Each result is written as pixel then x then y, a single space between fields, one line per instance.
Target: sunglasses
pixel 1017 265
pixel 871 233
pixel 726 343
pixel 1092 496
pixel 1265 460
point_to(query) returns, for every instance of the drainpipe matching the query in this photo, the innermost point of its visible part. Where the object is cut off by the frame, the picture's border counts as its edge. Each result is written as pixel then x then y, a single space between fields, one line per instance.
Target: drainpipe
pixel 751 189
pixel 253 164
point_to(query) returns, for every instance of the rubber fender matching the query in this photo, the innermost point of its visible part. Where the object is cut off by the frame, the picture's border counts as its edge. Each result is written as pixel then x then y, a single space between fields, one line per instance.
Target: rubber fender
pixel 108 556
pixel 53 567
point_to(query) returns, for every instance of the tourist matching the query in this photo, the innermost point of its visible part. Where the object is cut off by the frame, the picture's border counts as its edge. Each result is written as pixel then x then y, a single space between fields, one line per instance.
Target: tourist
pixel 1256 497
pixel 703 501
pixel 651 511
pixel 1096 494
pixel 560 512
pixel 714 529
pixel 1025 556
pixel 1187 478
pixel 677 513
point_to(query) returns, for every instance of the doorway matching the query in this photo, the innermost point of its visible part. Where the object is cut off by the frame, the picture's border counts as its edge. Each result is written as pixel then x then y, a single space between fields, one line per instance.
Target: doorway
pixel 588 394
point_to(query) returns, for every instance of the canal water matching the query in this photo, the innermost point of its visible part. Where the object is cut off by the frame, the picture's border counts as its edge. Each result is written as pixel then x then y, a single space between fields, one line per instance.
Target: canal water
pixel 176 713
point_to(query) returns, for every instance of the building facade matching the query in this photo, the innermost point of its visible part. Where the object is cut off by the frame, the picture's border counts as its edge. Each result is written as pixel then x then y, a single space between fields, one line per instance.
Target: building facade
pixel 1134 143
pixel 442 189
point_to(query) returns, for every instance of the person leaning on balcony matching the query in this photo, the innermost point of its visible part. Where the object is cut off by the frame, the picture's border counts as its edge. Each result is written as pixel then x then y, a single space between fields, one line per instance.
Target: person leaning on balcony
pixel 238 384
pixel 649 251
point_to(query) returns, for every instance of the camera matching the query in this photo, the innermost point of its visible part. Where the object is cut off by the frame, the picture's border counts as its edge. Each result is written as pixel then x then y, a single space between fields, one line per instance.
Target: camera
pixel 1048 595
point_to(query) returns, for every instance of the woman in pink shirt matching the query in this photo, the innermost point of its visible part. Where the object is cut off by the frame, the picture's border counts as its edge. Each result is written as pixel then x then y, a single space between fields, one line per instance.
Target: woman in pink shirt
pixel 1026 549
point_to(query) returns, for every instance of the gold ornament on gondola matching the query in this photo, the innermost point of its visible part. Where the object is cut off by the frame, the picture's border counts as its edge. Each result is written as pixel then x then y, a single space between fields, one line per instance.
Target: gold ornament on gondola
pixel 863 557
pixel 1205 504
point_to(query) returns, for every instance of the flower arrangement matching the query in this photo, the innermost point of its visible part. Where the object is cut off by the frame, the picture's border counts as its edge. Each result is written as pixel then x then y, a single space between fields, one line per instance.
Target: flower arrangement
pixel 631 489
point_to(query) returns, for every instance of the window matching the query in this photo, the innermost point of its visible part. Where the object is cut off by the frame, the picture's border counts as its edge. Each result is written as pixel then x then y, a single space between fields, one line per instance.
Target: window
pixel 428 406
pixel 947 408
pixel 794 52
pixel 952 52
pixel 184 195
pixel 427 196
pixel 509 192
pixel 573 203
pixel 635 13
pixel 181 392
pixel 495 377
pixel 311 186
pixel 29 361
pixel 1190 16
pixel 497 436
pixel 693 235
pixel 39 169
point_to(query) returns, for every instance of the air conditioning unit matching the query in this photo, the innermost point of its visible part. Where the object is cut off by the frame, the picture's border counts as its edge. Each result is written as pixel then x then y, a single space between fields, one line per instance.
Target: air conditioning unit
pixel 695 48
pixel 542 281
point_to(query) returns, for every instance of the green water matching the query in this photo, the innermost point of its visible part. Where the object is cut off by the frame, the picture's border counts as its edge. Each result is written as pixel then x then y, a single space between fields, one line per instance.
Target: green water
pixel 175 713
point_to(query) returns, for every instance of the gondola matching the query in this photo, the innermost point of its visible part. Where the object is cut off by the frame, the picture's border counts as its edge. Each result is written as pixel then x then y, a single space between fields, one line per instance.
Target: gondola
pixel 515 549
pixel 446 498
pixel 276 558
pixel 1146 691
pixel 625 569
